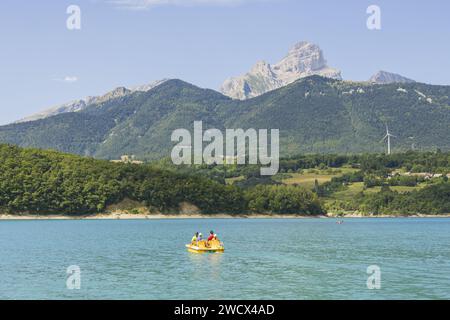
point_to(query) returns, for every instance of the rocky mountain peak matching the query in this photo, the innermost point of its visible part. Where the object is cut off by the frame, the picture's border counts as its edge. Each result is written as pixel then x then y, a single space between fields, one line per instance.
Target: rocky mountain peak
pixel 116 93
pixel 303 59
pixel 148 86
pixel 384 77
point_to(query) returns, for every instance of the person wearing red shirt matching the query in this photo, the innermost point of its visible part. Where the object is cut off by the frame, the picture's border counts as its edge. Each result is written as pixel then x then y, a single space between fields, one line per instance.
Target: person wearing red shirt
pixel 211 236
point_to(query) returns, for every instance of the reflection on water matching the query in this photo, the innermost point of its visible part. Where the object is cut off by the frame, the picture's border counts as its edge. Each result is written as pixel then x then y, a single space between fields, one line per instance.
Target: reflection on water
pixel 206 265
pixel 210 260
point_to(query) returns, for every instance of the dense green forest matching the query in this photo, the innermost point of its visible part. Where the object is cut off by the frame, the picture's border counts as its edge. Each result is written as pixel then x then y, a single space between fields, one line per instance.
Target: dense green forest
pixel 48 182
pixel 314 115
pixel 35 181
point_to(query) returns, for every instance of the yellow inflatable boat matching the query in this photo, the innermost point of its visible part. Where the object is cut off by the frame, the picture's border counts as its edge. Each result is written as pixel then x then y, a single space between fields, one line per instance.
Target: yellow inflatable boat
pixel 204 246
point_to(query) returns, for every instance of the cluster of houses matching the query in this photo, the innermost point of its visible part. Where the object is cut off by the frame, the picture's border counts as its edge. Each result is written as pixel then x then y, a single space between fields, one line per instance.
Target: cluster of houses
pixel 426 175
pixel 128 159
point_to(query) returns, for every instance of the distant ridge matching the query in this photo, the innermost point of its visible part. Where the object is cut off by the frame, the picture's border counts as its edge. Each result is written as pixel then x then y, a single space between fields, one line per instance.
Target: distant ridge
pixel 78 105
pixel 384 77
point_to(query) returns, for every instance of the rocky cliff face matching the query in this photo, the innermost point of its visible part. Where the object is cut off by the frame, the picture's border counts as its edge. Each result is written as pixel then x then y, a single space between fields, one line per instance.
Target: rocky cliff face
pixel 78 105
pixel 303 60
pixel 383 77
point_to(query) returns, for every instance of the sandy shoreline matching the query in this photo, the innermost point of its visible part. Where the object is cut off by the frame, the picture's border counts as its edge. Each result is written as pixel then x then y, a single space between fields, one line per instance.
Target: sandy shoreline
pixel 128 216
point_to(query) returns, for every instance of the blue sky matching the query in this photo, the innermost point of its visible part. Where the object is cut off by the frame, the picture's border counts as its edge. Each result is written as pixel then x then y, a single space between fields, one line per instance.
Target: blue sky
pixel 131 42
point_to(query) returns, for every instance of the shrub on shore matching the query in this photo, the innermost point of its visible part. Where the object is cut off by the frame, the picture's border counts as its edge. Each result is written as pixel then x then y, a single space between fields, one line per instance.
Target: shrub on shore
pixel 282 199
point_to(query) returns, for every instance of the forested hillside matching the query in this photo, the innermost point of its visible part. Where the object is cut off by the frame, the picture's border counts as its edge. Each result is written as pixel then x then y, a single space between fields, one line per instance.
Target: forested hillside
pixel 314 115
pixel 48 182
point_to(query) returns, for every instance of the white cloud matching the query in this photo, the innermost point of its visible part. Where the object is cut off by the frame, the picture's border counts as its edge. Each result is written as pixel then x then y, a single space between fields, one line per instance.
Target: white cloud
pixel 70 79
pixel 146 4
pixel 67 79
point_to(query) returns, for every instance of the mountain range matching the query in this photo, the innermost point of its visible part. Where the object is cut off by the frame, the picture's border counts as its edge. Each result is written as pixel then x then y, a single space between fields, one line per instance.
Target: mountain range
pixel 303 60
pixel 315 110
pixel 314 114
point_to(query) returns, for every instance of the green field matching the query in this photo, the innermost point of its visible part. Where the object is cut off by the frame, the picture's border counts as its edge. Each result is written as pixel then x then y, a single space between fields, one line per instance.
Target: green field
pixel 353 189
pixel 308 177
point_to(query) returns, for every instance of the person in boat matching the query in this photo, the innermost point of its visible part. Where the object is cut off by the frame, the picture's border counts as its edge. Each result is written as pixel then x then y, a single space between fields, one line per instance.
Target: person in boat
pixel 195 238
pixel 200 241
pixel 212 235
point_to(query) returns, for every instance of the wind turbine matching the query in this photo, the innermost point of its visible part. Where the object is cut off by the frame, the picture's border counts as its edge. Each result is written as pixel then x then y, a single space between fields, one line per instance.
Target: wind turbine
pixel 388 138
pixel 413 145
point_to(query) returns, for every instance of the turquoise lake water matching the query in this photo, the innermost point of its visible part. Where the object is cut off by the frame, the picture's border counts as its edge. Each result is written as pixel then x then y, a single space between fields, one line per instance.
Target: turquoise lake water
pixel 264 259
